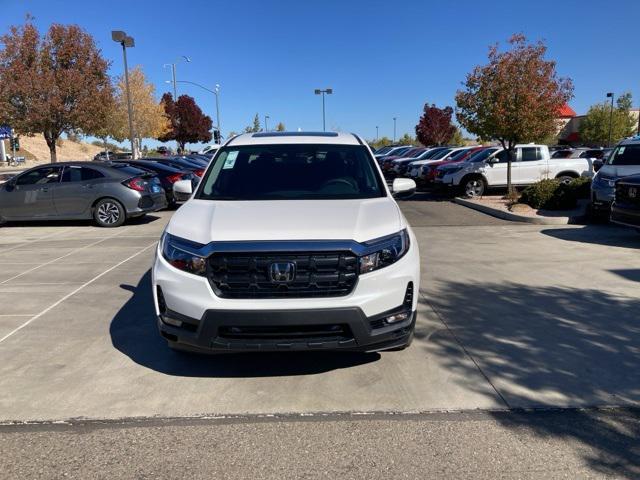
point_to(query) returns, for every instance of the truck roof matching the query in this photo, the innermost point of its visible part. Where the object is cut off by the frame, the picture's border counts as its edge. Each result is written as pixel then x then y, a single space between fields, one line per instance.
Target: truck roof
pixel 275 138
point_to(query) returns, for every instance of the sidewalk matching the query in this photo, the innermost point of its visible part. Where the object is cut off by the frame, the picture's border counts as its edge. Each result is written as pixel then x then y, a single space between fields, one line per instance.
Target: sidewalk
pixel 497 207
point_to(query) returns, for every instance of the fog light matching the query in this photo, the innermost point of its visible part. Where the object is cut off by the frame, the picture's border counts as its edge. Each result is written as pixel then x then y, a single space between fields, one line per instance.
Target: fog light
pixel 171 321
pixel 398 317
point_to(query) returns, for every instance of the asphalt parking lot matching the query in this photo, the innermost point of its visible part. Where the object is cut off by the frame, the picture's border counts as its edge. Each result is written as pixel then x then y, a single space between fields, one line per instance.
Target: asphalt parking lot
pixel 511 316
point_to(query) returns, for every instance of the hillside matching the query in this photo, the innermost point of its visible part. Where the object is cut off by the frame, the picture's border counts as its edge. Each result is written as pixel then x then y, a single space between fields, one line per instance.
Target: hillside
pixel 35 150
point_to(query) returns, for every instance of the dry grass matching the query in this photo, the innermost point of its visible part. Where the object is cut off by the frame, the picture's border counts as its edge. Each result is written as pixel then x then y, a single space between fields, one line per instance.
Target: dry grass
pixel 36 151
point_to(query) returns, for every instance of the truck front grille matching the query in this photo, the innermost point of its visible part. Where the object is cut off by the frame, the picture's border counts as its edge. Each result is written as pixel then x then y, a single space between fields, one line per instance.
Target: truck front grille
pixel 248 275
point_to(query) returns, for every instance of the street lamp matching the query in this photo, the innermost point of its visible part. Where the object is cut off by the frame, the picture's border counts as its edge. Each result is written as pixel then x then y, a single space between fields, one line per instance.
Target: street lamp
pixel 173 74
pixel 394 129
pixel 376 133
pixel 610 95
pixel 328 91
pixel 216 92
pixel 127 42
pixel 266 125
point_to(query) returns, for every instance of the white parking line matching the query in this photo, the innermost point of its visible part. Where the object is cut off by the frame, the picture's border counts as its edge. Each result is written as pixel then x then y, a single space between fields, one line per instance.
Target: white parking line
pixel 46 237
pixel 58 258
pixel 71 294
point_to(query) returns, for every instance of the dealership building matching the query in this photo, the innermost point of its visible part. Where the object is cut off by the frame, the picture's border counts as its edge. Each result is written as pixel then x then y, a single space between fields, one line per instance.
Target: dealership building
pixel 569 125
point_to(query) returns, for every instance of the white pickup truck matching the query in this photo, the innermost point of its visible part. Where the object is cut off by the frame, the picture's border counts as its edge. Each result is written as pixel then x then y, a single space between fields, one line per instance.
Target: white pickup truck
pixel 530 164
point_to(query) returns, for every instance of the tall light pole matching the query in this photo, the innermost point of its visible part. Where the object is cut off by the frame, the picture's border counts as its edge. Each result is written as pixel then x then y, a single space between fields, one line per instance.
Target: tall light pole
pixel 266 125
pixel 394 129
pixel 328 91
pixel 610 95
pixel 173 74
pixel 127 42
pixel 216 92
pixel 376 133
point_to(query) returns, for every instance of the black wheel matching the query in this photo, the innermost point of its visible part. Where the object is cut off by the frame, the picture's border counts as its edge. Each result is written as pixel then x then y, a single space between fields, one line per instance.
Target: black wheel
pixel 565 179
pixel 109 213
pixel 474 187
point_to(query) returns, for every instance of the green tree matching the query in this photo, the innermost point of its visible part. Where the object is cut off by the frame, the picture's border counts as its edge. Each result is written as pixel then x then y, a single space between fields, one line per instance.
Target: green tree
pixel 406 139
pixel 380 142
pixel 280 127
pixel 255 127
pixel 514 98
pixel 53 84
pixel 594 127
pixel 457 138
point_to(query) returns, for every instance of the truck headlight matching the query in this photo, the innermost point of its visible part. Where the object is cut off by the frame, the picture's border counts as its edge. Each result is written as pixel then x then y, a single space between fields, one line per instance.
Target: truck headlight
pixel 605 181
pixel 388 250
pixel 178 257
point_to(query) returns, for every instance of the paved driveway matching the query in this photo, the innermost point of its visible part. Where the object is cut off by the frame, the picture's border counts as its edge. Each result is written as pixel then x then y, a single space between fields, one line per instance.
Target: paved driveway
pixel 510 316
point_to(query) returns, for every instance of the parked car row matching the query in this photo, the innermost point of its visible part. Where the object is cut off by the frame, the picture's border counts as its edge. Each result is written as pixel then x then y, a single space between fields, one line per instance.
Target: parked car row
pixel 474 169
pixel 109 192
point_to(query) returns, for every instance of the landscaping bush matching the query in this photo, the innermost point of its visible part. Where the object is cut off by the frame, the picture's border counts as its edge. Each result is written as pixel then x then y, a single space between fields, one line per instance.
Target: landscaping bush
pixel 540 193
pixel 553 195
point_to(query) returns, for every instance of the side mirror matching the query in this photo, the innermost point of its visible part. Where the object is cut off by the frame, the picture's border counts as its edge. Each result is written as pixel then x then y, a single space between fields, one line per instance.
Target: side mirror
pixel 597 165
pixel 182 190
pixel 492 160
pixel 403 187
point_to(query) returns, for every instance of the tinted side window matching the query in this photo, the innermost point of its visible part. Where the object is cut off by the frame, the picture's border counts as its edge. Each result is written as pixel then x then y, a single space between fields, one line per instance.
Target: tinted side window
pixel 531 154
pixel 502 157
pixel 40 176
pixel 80 174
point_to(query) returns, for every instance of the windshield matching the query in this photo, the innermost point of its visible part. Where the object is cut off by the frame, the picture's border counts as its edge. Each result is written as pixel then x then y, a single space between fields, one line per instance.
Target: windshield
pixel 482 155
pixel 458 154
pixel 292 172
pixel 441 154
pixel 625 155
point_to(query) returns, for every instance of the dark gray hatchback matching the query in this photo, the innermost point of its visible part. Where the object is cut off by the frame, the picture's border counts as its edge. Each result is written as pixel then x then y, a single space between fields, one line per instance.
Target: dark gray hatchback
pixel 107 192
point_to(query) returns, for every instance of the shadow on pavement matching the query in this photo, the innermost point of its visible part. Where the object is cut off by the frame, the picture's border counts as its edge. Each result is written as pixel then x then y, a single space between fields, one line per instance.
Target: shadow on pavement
pixel 547 347
pixel 145 219
pixel 609 235
pixel 133 332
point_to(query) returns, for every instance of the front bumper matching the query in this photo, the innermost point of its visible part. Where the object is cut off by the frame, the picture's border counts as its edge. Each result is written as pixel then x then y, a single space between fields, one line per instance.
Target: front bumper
pixel 287 330
pixel 625 215
pixel 601 198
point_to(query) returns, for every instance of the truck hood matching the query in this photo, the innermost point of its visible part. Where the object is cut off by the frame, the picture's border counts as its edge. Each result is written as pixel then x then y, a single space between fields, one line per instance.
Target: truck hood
pixel 204 221
pixel 619 171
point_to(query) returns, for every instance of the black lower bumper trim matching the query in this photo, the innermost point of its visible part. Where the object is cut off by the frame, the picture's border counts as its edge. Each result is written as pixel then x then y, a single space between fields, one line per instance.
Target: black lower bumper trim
pixel 291 330
pixel 625 216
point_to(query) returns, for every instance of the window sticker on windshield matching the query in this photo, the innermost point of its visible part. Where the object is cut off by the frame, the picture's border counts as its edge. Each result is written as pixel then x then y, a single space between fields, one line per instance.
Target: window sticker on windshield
pixel 621 150
pixel 230 160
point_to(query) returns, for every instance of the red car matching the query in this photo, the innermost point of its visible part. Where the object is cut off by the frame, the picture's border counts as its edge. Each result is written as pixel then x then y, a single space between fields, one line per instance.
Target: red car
pixel 429 170
pixel 387 165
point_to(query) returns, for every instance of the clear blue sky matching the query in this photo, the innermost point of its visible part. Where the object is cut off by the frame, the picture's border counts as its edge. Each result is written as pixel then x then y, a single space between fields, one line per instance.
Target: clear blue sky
pixel 382 58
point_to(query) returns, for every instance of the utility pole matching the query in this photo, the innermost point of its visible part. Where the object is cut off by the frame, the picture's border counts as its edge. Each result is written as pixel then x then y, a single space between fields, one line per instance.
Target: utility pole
pixel 126 42
pixel 394 129
pixel 610 95
pixel 266 125
pixel 328 91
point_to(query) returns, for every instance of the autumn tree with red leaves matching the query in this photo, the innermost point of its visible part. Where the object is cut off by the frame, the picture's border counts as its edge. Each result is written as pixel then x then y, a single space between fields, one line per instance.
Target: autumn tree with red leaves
pixel 53 84
pixel 435 127
pixel 515 98
pixel 188 123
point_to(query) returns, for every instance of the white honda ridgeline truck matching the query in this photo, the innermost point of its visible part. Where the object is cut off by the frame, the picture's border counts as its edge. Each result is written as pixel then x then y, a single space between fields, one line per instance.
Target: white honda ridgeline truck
pixel 291 241
pixel 531 164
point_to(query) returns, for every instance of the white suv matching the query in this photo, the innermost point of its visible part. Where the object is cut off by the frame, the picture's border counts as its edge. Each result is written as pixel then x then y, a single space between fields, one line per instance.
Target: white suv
pixel 292 241
pixel 532 163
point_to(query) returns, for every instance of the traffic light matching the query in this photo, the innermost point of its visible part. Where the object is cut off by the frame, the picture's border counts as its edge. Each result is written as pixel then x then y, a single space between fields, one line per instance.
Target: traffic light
pixel 15 143
pixel 216 136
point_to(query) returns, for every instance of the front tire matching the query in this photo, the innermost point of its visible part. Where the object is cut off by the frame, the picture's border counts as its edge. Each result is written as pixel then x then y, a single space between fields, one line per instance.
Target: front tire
pixel 109 213
pixel 565 179
pixel 474 187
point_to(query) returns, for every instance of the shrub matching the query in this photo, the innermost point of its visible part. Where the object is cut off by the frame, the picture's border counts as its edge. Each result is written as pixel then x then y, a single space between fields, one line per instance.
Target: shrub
pixel 553 195
pixel 540 193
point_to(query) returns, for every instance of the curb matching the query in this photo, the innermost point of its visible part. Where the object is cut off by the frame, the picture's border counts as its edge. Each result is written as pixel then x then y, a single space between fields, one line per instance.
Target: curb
pixel 514 217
